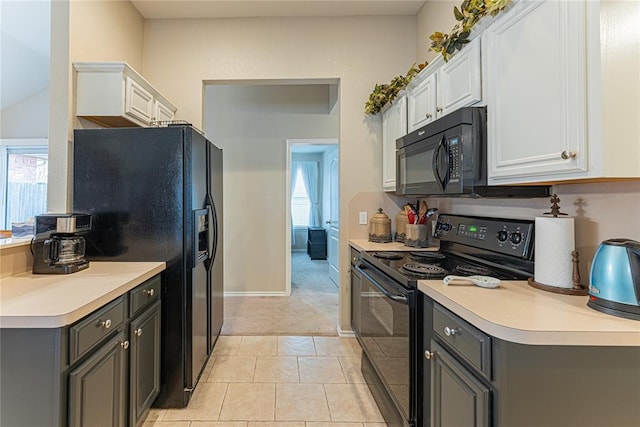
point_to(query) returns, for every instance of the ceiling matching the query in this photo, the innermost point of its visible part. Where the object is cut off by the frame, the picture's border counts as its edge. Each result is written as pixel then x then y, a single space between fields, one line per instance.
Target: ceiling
pixel 153 9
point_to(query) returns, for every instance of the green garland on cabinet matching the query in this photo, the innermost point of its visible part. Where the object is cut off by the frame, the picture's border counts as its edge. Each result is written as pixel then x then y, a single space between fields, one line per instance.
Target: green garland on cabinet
pixel 385 93
pixel 470 12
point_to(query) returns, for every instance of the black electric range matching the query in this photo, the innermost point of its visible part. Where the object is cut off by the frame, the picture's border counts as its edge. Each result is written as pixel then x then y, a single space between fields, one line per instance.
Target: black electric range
pixel 388 314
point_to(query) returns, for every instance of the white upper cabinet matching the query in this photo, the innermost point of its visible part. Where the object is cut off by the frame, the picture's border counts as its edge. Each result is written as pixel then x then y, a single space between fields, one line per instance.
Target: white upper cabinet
pixel 444 87
pixel 460 80
pixel 394 125
pixel 536 91
pixel 561 86
pixel 114 94
pixel 422 102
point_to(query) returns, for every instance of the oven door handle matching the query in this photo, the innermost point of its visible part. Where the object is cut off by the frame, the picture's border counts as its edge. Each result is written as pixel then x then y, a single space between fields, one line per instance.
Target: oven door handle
pixel 398 298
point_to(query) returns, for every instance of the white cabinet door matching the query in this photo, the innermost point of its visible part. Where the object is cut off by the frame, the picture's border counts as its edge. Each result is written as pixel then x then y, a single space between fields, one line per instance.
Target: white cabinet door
pixel 421 102
pixel 536 92
pixel 394 125
pixel 139 103
pixel 163 113
pixel 459 80
pixel 449 86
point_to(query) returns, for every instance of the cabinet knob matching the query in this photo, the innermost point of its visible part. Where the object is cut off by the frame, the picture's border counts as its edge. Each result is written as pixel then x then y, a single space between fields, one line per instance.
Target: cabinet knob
pixel 355 259
pixel 124 344
pixel 149 292
pixel 450 331
pixel 328 222
pixel 566 155
pixel 429 354
pixel 428 115
pixel 137 332
pixel 439 109
pixel 106 323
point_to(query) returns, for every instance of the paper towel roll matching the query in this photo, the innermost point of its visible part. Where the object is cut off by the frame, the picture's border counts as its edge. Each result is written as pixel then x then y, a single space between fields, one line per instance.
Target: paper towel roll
pixel 554 242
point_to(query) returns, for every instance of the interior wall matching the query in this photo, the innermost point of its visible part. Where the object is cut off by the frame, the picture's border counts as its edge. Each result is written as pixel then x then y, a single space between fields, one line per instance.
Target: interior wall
pixel 28 118
pixel 435 15
pixel 25 31
pixel 251 124
pixel 103 30
pixel 359 51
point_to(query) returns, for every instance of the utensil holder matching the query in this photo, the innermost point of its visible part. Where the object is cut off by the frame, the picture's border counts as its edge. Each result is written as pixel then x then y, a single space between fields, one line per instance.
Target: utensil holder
pixel 417 236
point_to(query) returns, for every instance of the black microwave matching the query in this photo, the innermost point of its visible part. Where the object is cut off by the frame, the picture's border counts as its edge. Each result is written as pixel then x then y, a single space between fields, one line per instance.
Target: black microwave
pixel 448 157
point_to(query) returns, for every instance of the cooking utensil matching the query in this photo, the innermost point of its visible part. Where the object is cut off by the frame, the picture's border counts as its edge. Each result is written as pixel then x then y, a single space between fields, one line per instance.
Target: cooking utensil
pixel 482 281
pixel 422 212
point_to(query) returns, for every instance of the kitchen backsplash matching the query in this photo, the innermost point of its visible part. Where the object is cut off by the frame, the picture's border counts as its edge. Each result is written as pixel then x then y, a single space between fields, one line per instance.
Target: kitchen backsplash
pixel 601 210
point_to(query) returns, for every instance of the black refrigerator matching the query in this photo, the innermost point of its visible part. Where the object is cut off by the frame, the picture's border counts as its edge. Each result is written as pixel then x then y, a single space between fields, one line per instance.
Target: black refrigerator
pixel 155 194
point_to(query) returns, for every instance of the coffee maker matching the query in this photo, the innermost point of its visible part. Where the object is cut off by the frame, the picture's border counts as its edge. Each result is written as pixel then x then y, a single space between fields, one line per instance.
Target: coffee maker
pixel 58 246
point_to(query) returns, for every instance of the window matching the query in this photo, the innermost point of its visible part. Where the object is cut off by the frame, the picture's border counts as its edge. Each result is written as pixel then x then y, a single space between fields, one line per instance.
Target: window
pixel 300 204
pixel 24 170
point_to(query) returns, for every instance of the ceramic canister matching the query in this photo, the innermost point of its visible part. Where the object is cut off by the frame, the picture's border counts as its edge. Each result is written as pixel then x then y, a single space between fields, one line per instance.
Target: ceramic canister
pixel 380 228
pixel 401 226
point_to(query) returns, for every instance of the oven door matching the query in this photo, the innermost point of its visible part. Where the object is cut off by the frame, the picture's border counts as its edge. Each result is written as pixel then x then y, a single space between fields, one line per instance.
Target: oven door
pixel 422 167
pixel 386 334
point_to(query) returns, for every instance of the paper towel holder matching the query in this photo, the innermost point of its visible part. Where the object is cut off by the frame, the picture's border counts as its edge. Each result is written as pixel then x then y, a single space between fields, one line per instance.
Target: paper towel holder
pixel 577 288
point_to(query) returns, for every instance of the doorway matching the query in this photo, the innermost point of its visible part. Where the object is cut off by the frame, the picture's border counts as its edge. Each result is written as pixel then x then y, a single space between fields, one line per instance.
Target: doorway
pixel 313 201
pixel 252 121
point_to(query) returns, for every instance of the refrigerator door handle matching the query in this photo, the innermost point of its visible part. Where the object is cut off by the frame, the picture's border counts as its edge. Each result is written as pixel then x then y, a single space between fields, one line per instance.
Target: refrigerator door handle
pixel 213 234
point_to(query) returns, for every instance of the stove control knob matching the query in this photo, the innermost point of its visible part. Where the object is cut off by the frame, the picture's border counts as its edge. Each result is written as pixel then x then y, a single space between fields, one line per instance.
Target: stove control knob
pixel 516 238
pixel 502 236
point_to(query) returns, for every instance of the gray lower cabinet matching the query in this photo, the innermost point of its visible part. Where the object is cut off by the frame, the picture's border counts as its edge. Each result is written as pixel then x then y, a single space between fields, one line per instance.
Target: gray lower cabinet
pixel 144 362
pixel 103 370
pixel 97 386
pixel 480 380
pixel 457 397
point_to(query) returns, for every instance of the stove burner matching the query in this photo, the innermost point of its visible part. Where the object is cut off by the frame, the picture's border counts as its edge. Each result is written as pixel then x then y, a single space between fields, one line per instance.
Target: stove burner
pixel 472 270
pixel 387 255
pixel 424 270
pixel 427 256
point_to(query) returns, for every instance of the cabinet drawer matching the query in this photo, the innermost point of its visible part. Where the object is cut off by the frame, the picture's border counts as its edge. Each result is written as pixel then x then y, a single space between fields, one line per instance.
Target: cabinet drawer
pixel 469 342
pixel 90 331
pixel 144 295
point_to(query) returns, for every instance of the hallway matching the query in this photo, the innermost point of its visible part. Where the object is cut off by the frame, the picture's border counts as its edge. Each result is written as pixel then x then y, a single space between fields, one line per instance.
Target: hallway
pixel 312 308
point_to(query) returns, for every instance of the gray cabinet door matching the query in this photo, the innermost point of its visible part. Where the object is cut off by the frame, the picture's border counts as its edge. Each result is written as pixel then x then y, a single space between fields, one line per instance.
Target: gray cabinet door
pixel 144 378
pixel 457 397
pixel 97 387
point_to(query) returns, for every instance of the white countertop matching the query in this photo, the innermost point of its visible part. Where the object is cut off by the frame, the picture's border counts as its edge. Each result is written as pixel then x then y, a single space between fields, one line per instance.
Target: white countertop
pixel 12 242
pixel 518 313
pixel 55 300
pixel 365 245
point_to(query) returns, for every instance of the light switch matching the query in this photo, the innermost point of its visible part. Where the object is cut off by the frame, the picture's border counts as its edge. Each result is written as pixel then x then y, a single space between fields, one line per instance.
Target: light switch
pixel 362 219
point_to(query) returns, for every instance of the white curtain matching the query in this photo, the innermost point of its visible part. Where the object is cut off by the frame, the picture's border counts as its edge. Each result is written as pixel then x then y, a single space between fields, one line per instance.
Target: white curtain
pixel 295 165
pixel 309 171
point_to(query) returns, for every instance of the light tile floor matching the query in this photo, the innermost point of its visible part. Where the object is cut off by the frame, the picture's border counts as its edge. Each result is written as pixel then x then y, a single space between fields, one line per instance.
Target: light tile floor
pixel 268 381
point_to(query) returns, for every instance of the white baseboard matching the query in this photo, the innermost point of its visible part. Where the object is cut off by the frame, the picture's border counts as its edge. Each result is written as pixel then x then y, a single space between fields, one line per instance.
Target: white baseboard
pixel 345 333
pixel 256 294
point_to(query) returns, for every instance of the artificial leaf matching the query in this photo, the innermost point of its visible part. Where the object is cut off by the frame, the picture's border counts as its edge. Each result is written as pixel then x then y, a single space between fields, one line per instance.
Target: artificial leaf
pixel 457 14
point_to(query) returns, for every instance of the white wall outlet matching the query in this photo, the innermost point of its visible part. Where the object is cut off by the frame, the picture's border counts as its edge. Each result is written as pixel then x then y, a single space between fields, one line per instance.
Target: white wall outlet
pixel 362 219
